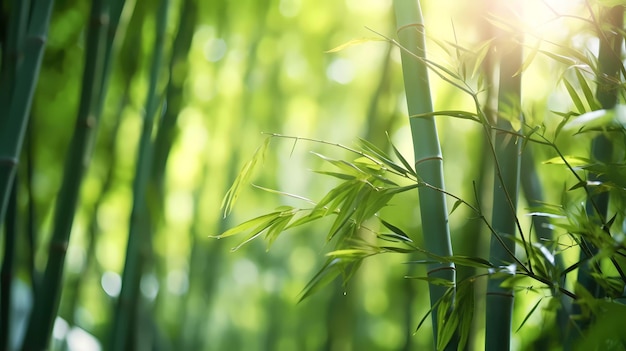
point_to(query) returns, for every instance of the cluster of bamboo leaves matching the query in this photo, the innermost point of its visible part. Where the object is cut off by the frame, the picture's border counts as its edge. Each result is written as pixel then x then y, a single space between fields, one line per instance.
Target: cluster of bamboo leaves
pixel 583 297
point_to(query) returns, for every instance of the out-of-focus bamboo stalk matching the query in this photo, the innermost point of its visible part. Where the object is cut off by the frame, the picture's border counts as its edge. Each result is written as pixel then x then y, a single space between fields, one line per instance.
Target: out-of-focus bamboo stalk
pixel 610 25
pixel 427 151
pixel 18 102
pixel 8 264
pixel 506 184
pixel 76 162
pixel 139 236
pixel 178 68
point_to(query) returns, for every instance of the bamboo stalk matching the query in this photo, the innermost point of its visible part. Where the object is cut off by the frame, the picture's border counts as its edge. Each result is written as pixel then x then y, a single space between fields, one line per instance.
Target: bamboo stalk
pixel 8 264
pixel 77 159
pixel 609 64
pixel 13 126
pixel 178 68
pixel 140 224
pixel 506 184
pixel 427 151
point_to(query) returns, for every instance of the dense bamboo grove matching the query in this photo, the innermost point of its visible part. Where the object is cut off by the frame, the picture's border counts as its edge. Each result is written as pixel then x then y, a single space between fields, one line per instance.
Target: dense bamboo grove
pixel 425 175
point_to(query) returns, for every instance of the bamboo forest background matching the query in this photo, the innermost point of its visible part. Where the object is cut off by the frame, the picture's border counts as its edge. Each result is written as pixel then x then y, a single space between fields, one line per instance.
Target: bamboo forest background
pixel 144 113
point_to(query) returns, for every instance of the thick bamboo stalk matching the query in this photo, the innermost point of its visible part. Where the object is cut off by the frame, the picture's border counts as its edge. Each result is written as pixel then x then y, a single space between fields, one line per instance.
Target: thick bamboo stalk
pixel 140 225
pixel 76 162
pixel 427 151
pixel 506 184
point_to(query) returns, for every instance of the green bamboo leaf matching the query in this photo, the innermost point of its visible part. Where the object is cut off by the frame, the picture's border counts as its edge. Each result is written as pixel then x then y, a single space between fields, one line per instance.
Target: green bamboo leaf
pixel 464 306
pixel 247 225
pixel 314 215
pixel 574 161
pixel 340 223
pixel 343 165
pixel 578 185
pixel 396 230
pixel 341 176
pixel 591 119
pixel 450 113
pixel 574 96
pixel 278 227
pixel 456 205
pixel 401 189
pixel 434 281
pixel 282 193
pixel 481 54
pixel 591 99
pixel 322 278
pixel 380 155
pixel 336 196
pixel 396 238
pixel 374 202
pixel 371 148
pixel 406 163
pixel 428 313
pixel 351 254
pixel 243 178
pixel 530 313
pixel 254 233
pixel 567 61
pixel 468 261
pixel 529 58
pixel 447 330
pixel 352 43
pixel 563 122
pixel 398 249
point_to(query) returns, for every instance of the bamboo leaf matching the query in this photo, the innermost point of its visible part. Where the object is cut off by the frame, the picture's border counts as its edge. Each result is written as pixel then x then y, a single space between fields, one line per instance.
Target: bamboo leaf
pixel 340 223
pixel 567 61
pixel 247 225
pixel 322 278
pixel 574 161
pixel 428 313
pixel 591 100
pixel 278 227
pixel 383 157
pixel 592 119
pixel 341 176
pixel 274 191
pixel 574 96
pixel 468 261
pixel 434 281
pixel 406 163
pixel 483 50
pixel 337 195
pixel 398 249
pixel 401 189
pixel 352 43
pixel 450 113
pixel 243 178
pixel 350 254
pixel 314 215
pixel 464 306
pixel 530 313
pixel 394 238
pixel 399 232
pixel 529 58
pixel 456 205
